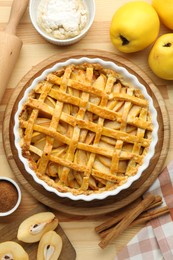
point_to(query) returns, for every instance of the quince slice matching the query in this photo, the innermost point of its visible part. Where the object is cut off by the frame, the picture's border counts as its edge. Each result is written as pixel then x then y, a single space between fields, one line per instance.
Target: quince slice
pixel 32 228
pixel 12 251
pixel 50 246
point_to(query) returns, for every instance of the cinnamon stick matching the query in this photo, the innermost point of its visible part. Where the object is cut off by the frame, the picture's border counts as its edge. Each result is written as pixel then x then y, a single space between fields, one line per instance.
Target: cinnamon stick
pixel 157 202
pixel 143 218
pixel 114 220
pixel 150 215
pixel 126 221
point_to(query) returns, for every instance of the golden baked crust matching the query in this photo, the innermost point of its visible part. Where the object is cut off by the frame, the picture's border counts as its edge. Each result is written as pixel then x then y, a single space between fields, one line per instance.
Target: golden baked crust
pixel 84 130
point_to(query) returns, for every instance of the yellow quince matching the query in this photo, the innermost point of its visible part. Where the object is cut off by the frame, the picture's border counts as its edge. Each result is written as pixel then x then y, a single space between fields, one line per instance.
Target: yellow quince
pixel 161 57
pixel 164 8
pixel 134 26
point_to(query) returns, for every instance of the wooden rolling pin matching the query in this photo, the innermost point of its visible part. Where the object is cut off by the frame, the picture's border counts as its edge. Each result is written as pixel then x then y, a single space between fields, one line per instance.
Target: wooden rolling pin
pixel 10 44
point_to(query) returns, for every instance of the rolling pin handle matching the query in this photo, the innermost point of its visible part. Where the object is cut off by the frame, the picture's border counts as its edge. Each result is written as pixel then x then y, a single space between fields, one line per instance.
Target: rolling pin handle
pixel 17 10
pixel 10 44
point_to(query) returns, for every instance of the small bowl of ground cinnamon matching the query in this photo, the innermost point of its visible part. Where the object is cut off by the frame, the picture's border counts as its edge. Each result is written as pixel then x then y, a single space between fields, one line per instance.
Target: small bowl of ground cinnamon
pixel 10 196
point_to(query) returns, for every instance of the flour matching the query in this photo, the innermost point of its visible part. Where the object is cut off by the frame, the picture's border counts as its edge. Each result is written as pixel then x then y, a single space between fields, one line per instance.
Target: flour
pixel 62 19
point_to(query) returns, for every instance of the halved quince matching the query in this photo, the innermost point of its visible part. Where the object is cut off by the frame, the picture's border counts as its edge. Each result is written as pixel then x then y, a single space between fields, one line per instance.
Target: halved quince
pixel 12 251
pixel 32 228
pixel 50 246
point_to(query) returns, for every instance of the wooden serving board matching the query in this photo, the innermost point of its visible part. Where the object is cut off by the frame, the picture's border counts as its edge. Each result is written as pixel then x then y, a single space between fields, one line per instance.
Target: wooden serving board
pixel 9 233
pixel 95 207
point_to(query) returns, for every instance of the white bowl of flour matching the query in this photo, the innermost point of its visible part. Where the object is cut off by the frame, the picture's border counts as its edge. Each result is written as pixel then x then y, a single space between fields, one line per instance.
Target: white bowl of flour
pixel 62 22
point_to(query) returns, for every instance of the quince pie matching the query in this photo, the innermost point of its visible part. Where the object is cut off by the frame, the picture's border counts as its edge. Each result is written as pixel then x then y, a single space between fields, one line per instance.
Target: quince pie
pixel 84 129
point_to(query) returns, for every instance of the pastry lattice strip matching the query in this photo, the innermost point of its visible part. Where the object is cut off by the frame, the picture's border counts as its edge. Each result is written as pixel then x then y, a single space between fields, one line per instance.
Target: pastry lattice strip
pixel 61 90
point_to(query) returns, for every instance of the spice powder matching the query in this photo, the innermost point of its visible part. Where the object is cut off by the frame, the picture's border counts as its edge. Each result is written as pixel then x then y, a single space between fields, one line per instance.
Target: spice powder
pixel 8 196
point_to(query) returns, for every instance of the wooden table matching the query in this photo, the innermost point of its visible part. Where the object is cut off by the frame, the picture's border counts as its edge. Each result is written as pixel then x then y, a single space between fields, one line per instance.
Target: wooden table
pixel 79 229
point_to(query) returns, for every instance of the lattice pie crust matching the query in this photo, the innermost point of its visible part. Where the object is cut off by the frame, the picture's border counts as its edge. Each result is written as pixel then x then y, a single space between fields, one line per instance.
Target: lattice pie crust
pixel 84 129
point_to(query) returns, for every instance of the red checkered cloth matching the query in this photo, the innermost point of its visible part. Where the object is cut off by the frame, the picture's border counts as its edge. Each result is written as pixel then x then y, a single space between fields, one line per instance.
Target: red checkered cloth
pixel 155 241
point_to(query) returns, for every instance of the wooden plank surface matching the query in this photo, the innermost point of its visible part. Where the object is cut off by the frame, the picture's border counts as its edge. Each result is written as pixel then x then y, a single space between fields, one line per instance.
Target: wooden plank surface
pixel 79 229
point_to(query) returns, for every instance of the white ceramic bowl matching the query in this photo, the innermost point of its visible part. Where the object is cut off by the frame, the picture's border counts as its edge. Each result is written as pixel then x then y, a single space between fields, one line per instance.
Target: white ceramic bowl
pixel 3 214
pixel 128 78
pixel 33 6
